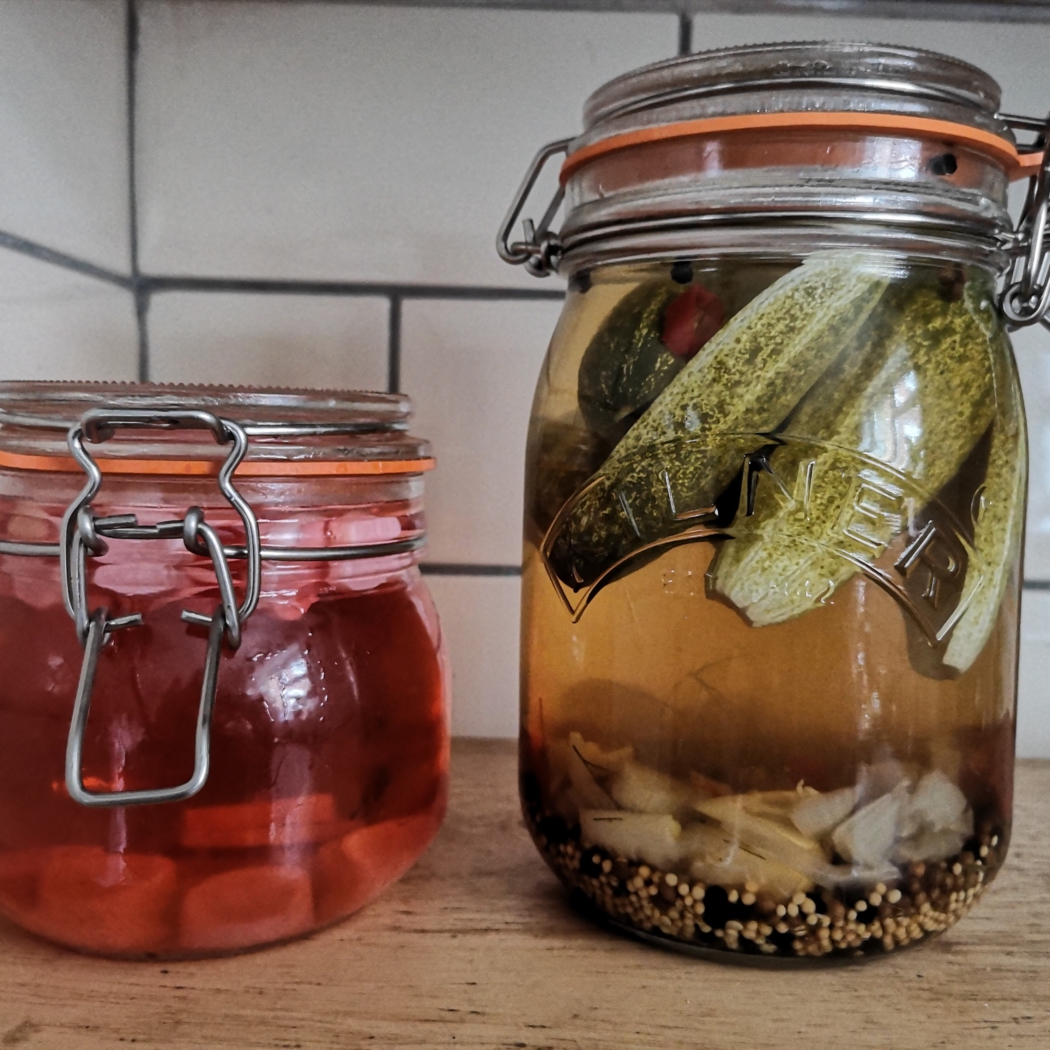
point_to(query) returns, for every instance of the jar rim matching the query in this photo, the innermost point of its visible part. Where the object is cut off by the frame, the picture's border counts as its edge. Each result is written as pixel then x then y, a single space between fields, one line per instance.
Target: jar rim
pixel 292 431
pixel 885 73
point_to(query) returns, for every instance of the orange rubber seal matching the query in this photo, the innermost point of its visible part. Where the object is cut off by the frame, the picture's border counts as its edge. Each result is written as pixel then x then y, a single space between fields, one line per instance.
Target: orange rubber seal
pixel 1018 165
pixel 210 468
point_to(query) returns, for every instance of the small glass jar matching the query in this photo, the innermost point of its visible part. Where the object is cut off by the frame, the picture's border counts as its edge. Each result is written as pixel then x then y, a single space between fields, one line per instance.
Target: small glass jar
pixel 225 704
pixel 775 496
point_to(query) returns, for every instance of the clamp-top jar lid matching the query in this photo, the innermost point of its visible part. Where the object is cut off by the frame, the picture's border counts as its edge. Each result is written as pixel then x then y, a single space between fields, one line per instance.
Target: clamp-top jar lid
pixel 290 432
pixel 833 142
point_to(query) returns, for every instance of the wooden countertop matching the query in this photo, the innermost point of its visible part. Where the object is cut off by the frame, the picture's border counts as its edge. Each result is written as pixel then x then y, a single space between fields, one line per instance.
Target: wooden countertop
pixel 476 947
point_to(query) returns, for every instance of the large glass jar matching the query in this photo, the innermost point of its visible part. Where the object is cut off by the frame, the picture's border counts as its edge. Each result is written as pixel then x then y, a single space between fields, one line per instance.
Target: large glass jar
pixel 775 500
pixel 173 786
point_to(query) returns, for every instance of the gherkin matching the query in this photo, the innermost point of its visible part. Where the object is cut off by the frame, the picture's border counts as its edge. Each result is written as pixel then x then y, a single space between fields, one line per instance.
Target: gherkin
pixel 626 365
pixel 910 409
pixel 999 524
pixel 664 476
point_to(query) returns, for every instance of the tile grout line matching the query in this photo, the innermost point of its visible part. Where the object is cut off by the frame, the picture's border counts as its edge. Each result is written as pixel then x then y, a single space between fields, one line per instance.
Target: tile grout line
pixel 436 568
pixel 383 289
pixel 14 243
pixel 393 364
pixel 139 291
pixel 685 34
pixel 152 284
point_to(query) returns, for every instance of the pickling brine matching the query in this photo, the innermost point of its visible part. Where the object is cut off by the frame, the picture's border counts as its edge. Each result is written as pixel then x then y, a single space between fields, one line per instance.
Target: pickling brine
pixel 773 529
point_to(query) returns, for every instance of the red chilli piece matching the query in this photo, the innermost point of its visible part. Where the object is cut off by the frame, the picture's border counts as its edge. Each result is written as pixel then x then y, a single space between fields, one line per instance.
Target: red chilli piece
pixel 690 320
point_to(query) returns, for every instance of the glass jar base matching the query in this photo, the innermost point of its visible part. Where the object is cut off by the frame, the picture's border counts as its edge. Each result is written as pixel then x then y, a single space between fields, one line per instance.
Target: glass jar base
pixel 733 924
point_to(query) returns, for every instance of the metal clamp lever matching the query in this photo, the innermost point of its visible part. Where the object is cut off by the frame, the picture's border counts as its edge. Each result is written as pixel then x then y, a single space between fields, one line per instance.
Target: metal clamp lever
pixel 99 628
pixel 1026 295
pixel 540 250
pixel 82 532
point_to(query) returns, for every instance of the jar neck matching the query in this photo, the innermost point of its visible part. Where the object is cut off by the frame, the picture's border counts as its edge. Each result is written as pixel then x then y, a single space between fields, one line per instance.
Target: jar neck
pixel 765 238
pixel 787 190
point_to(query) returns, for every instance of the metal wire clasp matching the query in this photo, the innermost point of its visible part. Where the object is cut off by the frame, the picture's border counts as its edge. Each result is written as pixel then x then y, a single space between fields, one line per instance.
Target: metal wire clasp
pixel 83 533
pixel 541 249
pixel 1026 294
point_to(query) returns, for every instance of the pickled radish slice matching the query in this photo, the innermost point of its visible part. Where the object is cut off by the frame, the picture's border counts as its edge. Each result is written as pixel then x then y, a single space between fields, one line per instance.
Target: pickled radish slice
pixel 272 822
pixel 354 869
pixel 19 878
pixel 246 907
pixel 112 902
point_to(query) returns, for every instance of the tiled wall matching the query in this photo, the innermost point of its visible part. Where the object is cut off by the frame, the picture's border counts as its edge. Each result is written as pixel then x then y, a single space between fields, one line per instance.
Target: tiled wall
pixel 307 193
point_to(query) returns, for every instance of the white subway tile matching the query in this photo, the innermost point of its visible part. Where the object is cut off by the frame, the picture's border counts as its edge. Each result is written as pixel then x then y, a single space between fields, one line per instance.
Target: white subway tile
pixel 479 621
pixel 1033 701
pixel 471 369
pixel 353 142
pixel 269 340
pixel 57 324
pixel 63 123
pixel 1032 350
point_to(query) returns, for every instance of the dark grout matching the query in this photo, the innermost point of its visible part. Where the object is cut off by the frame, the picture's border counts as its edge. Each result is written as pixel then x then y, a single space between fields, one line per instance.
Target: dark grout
pixel 393 368
pixel 23 246
pixel 1035 585
pixel 386 289
pixel 141 294
pixel 434 568
pixel 685 34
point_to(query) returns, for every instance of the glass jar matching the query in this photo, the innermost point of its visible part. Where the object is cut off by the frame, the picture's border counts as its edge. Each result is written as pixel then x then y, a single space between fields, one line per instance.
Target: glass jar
pixel 242 733
pixel 775 494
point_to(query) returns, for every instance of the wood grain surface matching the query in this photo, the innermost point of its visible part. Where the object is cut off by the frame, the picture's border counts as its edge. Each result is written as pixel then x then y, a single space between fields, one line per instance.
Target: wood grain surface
pixel 477 947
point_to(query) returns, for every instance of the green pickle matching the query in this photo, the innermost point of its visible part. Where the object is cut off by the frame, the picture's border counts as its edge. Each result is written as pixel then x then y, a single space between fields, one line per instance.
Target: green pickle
pixel 627 365
pixel 917 399
pixel 667 472
pixel 998 529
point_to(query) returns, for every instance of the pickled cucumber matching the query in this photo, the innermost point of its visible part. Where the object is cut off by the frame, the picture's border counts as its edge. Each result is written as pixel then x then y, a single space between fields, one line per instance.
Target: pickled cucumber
pixel 625 366
pixel 913 406
pixel 673 464
pixel 997 529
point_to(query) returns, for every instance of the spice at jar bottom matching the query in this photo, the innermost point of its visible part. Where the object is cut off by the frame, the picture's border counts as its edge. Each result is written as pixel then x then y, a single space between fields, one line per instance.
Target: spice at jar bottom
pixel 732 885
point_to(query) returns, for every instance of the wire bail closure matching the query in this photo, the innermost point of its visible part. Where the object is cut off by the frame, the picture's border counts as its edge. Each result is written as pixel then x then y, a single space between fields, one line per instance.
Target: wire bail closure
pixel 1026 296
pixel 84 533
pixel 541 250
